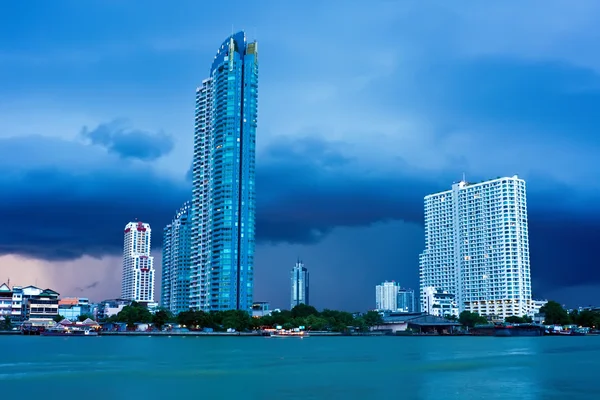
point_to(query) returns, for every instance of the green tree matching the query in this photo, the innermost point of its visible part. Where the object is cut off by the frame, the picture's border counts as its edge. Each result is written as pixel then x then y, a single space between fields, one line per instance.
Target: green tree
pixel 372 318
pixel 555 314
pixel 6 324
pixel 586 318
pixel 160 318
pixel 303 311
pixel 134 313
pixel 239 320
pixel 58 318
pixel 470 319
pixel 83 317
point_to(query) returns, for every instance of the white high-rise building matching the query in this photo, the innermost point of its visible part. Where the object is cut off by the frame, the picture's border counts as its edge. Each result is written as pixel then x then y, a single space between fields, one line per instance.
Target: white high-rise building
pixel 477 247
pixel 138 265
pixel 386 296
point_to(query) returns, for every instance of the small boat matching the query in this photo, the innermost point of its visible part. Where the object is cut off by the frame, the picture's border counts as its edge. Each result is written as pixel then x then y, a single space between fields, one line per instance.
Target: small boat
pixel 283 334
pixel 60 331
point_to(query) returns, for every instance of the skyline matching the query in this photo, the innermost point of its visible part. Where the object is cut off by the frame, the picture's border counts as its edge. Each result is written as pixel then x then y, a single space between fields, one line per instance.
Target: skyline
pixel 428 92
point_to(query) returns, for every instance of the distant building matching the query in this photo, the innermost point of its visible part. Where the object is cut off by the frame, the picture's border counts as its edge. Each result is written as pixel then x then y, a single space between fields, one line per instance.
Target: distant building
pixel 386 296
pixel 39 304
pixel 138 265
pixel 176 261
pixel 6 300
pixel 477 247
pixel 439 303
pixel 406 300
pixel 108 308
pixel 72 308
pixel 300 285
pixel 261 309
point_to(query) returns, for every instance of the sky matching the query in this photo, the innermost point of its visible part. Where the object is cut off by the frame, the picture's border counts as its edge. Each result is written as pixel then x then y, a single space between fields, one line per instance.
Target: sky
pixel 365 107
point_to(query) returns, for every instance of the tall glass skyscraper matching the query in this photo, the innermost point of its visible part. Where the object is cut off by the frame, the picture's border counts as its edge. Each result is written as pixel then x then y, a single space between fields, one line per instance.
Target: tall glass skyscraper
pixel 176 261
pixel 477 247
pixel 300 288
pixel 223 199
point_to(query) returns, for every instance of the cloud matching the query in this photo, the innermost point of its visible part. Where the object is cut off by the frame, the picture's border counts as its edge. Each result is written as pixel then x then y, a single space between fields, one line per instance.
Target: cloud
pixel 67 199
pixel 129 143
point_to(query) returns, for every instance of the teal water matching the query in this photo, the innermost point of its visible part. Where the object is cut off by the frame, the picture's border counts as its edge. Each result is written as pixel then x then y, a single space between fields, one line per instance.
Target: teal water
pixel 291 368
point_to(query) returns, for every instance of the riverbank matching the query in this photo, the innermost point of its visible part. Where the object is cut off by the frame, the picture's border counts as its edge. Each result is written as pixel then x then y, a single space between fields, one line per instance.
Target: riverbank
pixel 198 333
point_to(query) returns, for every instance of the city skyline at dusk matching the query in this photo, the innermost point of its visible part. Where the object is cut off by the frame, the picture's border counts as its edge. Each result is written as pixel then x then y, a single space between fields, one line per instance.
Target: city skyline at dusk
pixel 363 113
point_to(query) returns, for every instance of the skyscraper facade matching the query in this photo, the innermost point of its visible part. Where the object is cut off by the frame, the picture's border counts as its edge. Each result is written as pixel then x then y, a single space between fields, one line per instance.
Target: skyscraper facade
pixel 386 296
pixel 406 300
pixel 176 261
pixel 223 198
pixel 477 247
pixel 138 265
pixel 300 285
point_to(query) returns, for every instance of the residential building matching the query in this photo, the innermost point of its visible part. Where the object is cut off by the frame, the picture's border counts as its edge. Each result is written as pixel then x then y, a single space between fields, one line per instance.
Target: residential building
pixel 440 303
pixel 223 197
pixel 300 285
pixel 386 296
pixel 17 312
pixel 477 247
pixel 6 297
pixel 176 261
pixel 138 265
pixel 108 308
pixel 406 300
pixel 261 309
pixel 39 304
pixel 72 308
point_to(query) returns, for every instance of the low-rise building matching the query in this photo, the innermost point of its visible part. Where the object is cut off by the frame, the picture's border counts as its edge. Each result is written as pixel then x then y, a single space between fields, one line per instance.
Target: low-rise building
pixel 72 308
pixel 439 303
pixel 260 309
pixel 6 300
pixel 108 308
pixel 393 323
pixel 40 304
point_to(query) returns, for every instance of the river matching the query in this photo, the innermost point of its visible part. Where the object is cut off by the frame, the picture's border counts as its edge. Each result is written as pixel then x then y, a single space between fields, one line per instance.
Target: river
pixel 292 368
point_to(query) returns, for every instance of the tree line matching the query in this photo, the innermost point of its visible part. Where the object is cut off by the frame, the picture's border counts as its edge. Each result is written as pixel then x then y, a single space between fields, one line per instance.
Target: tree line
pixel 301 315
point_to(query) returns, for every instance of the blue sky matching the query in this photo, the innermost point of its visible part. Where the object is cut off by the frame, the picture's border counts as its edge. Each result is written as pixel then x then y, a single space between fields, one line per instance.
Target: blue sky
pixel 364 108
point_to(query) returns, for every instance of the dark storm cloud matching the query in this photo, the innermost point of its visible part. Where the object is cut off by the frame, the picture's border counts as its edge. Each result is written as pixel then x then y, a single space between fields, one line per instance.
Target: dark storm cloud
pixel 68 200
pixel 130 143
pixel 306 188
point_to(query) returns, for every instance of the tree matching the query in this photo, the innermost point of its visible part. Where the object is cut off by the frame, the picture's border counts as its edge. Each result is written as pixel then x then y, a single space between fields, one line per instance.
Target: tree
pixel 239 320
pixel 372 318
pixel 555 314
pixel 587 318
pixel 58 318
pixel 134 313
pixel 6 324
pixel 83 317
pixel 160 318
pixel 470 319
pixel 303 311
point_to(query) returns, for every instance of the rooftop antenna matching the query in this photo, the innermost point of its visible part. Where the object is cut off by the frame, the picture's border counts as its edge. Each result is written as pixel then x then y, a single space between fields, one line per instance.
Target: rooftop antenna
pixel 464 177
pixel 231 29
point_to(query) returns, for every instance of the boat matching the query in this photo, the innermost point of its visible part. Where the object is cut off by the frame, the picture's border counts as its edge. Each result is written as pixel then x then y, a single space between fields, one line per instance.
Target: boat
pixel 61 331
pixel 506 330
pixel 284 334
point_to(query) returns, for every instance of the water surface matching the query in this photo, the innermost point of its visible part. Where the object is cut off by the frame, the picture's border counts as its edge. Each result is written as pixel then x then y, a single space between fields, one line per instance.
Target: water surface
pixel 292 368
